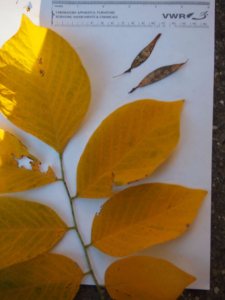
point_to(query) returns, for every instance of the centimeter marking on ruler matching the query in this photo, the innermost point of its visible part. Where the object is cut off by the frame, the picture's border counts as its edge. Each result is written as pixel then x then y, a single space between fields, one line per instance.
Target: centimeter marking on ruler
pixel 99 22
pixel 124 26
pixel 207 3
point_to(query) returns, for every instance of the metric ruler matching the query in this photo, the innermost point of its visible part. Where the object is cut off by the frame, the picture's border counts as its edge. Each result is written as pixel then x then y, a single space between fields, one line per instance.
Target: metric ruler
pixel 155 14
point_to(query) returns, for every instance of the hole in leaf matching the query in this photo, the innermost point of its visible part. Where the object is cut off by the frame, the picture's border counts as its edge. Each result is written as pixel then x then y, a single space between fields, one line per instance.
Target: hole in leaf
pixel 31 164
pixel 24 162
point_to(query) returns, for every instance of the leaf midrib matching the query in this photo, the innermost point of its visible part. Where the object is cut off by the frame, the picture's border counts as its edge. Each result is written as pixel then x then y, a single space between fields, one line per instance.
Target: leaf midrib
pixel 107 173
pixel 137 223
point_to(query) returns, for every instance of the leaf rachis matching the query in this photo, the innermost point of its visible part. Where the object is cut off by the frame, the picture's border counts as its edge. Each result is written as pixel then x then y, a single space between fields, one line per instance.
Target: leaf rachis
pixel 76 228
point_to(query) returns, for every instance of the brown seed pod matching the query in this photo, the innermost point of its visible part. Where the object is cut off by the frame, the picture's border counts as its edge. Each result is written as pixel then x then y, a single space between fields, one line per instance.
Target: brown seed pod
pixel 158 74
pixel 143 55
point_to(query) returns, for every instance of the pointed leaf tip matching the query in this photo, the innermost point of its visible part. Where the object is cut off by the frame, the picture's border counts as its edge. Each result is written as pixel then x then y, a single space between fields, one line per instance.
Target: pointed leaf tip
pixel 130 144
pixel 33 86
pixel 146 278
pixel 145 215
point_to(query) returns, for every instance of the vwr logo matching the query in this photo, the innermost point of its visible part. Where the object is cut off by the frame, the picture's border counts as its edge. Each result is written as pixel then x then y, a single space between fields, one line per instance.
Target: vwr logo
pixel 191 16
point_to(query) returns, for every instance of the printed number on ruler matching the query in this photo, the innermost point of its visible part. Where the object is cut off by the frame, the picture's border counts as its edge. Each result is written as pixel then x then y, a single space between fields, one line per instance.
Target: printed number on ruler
pixel 157 14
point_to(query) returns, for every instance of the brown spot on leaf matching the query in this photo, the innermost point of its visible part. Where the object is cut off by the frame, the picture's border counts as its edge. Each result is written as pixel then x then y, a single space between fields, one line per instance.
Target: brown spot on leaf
pixel 40 60
pixel 42 72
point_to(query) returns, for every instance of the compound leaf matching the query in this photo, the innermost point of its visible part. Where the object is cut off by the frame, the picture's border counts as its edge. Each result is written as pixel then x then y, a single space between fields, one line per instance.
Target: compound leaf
pixel 13 177
pixel 143 216
pixel 27 229
pixel 128 145
pixel 44 88
pixel 145 278
pixel 49 276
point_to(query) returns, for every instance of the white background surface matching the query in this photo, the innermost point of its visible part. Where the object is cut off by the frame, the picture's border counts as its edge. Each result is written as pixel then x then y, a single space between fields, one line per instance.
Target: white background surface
pixel 106 52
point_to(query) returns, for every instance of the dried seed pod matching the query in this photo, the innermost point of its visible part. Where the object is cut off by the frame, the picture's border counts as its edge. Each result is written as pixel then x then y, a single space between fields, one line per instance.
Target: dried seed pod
pixel 143 55
pixel 158 74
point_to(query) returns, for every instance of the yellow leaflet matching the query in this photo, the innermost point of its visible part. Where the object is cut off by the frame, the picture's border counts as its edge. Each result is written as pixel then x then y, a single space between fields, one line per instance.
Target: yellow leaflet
pixel 143 216
pixel 128 145
pixel 145 278
pixel 14 178
pixel 47 277
pixel 44 88
pixel 27 229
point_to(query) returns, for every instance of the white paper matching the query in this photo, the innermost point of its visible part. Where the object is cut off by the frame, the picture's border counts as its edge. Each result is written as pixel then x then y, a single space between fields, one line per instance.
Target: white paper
pixel 105 52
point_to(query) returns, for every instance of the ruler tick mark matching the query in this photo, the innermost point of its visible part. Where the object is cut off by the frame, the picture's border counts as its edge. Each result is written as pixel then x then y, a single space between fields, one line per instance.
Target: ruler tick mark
pixel 153 14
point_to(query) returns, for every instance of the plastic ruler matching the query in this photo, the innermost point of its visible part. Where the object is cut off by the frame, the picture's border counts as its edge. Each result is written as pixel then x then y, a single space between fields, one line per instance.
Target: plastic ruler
pixel 179 14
